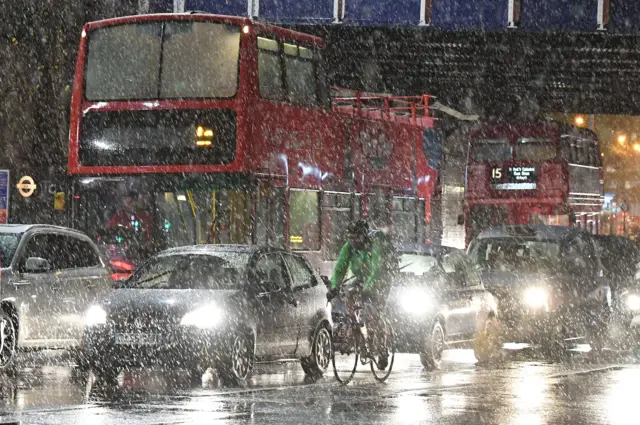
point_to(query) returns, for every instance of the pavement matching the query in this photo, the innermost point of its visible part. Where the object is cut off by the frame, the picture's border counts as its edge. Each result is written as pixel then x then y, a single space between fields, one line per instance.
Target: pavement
pixel 521 390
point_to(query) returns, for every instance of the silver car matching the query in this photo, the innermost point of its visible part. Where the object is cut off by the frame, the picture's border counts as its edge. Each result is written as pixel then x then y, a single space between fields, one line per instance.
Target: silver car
pixel 50 275
pixel 549 282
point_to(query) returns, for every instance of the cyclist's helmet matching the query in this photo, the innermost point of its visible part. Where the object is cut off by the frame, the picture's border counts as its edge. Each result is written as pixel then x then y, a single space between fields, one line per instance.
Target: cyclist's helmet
pixel 358 227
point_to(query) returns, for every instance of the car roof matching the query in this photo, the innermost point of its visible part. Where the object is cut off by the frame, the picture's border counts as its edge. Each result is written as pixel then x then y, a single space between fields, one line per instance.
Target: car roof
pixel 425 248
pixel 209 249
pixel 22 228
pixel 534 231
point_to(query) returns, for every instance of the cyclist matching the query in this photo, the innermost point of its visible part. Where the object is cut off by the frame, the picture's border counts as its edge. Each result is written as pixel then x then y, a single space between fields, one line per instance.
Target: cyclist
pixel 365 254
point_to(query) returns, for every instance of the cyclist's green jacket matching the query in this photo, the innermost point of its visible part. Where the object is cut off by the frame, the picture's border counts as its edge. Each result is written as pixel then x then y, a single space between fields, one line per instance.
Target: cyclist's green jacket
pixel 365 265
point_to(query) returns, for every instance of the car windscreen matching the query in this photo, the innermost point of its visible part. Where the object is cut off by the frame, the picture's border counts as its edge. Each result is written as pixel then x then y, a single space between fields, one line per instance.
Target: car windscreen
pixel 417 264
pixel 8 245
pixel 517 254
pixel 222 270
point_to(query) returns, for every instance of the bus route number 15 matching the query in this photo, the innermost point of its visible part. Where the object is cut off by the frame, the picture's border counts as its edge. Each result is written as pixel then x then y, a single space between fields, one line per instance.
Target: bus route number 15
pixel 497 175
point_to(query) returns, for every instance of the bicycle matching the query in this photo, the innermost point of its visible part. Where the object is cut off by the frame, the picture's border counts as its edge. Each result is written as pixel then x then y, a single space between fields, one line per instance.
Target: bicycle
pixel 348 346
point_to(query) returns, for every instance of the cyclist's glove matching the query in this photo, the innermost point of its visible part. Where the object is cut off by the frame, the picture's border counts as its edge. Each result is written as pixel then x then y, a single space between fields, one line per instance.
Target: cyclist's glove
pixel 332 293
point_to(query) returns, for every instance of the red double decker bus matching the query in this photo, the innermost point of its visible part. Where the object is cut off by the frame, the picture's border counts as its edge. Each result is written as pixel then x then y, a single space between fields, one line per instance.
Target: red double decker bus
pixel 540 172
pixel 195 128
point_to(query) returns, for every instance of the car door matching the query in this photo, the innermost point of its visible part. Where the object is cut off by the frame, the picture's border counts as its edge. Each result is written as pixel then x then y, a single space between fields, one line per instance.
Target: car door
pixel 308 294
pixel 37 292
pixel 276 313
pixel 83 281
pixel 456 297
pixel 479 297
pixel 582 266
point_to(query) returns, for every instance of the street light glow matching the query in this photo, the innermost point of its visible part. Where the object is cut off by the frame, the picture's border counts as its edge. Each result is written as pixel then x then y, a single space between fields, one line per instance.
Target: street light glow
pixel 579 120
pixel 622 139
pixel 636 147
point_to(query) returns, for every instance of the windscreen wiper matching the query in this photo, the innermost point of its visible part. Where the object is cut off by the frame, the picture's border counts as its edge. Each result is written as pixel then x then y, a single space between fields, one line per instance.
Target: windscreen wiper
pixel 155 277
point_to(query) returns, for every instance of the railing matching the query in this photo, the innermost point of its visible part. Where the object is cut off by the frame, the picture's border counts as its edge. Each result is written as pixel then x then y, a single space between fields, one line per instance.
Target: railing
pixel 405 109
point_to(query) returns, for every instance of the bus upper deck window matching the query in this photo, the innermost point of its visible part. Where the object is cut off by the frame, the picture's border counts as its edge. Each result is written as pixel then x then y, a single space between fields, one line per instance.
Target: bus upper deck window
pixel 490 150
pixel 270 69
pixel 300 74
pixel 536 149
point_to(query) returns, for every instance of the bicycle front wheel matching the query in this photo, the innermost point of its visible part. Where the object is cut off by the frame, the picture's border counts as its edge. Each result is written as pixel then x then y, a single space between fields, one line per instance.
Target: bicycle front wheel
pixel 383 351
pixel 345 353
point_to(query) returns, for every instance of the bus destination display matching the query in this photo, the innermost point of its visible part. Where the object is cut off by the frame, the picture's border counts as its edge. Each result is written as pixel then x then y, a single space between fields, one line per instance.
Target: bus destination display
pixel 514 177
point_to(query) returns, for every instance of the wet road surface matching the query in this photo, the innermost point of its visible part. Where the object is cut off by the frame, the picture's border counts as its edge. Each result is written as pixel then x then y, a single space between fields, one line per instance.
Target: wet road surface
pixel 523 391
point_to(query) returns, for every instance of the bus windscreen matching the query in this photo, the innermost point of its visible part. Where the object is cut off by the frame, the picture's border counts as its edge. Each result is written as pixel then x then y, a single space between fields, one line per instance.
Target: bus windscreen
pixel 162 60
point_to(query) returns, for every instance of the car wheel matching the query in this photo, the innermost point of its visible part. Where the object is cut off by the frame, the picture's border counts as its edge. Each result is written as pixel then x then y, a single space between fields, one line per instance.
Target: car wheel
pixel 317 363
pixel 7 341
pixel 432 348
pixel 238 365
pixel 487 343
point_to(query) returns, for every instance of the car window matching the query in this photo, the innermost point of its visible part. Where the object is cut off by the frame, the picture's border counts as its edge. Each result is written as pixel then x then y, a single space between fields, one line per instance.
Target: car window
pixel 224 270
pixel 41 246
pixel 578 255
pixel 453 268
pixel 270 270
pixel 301 274
pixel 472 277
pixel 507 254
pixel 155 272
pixel 417 264
pixel 8 245
pixel 80 253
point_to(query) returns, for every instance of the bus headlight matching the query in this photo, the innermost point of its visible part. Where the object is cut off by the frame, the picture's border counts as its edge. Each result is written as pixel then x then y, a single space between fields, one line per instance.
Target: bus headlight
pixel 536 298
pixel 416 301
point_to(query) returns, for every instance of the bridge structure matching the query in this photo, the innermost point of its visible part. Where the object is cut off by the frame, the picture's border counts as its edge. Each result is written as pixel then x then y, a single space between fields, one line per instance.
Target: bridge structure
pixel 491 57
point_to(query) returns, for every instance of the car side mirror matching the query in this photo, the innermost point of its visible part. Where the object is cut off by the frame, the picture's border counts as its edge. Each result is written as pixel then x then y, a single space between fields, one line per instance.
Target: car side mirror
pixel 37 265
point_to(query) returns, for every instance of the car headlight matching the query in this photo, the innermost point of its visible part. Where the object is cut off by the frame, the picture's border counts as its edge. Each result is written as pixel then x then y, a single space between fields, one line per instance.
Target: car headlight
pixel 203 318
pixel 96 315
pixel 633 302
pixel 416 301
pixel 536 298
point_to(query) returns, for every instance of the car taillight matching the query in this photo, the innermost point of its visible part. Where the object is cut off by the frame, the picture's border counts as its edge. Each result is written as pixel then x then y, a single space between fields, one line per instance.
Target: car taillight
pixel 120 276
pixel 121 265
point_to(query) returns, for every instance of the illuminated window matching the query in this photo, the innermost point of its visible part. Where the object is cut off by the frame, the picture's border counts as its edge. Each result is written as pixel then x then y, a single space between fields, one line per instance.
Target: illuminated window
pixel 304 216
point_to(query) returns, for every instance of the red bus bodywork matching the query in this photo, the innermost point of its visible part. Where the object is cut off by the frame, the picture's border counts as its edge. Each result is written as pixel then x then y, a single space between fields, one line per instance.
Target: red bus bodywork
pixel 560 172
pixel 362 144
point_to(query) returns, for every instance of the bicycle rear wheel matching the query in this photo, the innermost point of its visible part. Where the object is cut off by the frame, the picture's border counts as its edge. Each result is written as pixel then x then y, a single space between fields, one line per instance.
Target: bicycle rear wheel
pixel 383 351
pixel 345 353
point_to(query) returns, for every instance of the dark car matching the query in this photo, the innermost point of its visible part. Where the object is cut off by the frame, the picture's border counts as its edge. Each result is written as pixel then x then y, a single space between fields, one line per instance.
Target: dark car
pixel 212 306
pixel 549 282
pixel 50 275
pixel 620 259
pixel 437 302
